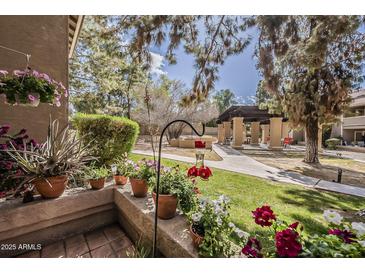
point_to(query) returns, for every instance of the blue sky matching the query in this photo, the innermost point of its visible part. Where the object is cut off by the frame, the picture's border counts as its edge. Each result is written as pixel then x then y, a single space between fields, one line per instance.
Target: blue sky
pixel 238 73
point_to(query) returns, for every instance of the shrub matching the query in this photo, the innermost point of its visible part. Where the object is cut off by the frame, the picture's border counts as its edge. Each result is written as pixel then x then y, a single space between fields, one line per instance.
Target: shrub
pixel 332 143
pixel 112 136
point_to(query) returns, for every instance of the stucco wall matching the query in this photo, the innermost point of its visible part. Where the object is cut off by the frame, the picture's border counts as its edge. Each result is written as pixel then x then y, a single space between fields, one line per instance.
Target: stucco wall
pixel 45 38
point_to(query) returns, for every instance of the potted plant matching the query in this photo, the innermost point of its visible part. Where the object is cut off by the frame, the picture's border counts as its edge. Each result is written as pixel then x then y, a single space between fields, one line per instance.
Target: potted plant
pixel 176 190
pixel 96 176
pixel 49 165
pixel 210 228
pixel 30 87
pixel 139 177
pixel 123 169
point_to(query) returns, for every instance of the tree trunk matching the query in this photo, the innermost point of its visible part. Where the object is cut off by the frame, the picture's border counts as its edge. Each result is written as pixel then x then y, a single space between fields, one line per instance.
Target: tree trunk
pixel 311 149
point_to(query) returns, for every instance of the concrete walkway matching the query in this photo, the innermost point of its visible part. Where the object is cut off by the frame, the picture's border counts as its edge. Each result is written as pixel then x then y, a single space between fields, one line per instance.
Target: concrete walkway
pixel 234 161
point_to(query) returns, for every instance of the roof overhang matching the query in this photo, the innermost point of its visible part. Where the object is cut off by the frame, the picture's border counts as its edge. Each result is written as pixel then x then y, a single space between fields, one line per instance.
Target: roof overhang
pixel 74 27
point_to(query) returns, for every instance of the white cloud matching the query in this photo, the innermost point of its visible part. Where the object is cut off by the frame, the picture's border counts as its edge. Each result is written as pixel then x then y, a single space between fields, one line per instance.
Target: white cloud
pixel 157 64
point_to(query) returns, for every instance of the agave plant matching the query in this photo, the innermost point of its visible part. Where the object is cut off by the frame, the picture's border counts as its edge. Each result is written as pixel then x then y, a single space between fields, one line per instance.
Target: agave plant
pixel 63 153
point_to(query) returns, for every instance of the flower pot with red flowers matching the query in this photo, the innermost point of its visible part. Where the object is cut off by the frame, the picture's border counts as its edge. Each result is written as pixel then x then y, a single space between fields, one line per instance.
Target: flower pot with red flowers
pixel 139 176
pixel 175 190
pixel 96 176
pixel 49 165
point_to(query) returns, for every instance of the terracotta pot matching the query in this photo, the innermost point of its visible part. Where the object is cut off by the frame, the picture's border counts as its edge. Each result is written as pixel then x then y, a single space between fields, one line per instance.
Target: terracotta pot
pixel 120 180
pixel 197 239
pixel 166 205
pixel 139 187
pixel 97 183
pixel 52 187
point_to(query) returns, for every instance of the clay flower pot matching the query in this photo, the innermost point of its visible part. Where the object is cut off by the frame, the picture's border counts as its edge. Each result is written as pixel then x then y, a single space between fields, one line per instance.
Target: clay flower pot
pixel 166 205
pixel 120 180
pixel 197 239
pixel 97 183
pixel 139 187
pixel 53 187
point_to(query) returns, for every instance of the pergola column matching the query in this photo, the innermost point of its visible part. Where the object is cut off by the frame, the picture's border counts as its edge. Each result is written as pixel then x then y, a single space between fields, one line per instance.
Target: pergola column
pixel 255 132
pixel 285 130
pixel 220 134
pixel 265 133
pixel 237 132
pixel 227 129
pixel 275 133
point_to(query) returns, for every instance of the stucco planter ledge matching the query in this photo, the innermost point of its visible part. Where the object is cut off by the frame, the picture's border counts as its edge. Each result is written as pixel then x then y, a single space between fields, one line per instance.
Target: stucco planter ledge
pixel 81 210
pixel 136 216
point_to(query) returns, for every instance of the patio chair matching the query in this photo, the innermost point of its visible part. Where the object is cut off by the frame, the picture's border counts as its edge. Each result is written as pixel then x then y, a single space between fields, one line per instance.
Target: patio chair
pixel 287 141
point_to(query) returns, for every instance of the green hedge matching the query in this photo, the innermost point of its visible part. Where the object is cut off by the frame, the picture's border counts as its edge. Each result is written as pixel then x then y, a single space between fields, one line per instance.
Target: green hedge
pixel 111 136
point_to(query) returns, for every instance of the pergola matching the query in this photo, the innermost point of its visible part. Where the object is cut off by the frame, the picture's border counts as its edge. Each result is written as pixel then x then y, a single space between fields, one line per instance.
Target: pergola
pixel 274 127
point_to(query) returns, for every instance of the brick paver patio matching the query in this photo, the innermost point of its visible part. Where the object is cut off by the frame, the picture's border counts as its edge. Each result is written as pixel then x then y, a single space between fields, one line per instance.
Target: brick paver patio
pixel 108 242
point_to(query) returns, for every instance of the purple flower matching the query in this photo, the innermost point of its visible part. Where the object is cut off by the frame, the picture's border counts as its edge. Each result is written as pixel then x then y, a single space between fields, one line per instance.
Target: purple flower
pixel 3 147
pixel 3 72
pixel 4 129
pixel 345 235
pixel 66 93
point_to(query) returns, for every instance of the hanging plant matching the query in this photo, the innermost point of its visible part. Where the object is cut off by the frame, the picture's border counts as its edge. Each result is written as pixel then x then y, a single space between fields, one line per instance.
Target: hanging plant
pixel 30 87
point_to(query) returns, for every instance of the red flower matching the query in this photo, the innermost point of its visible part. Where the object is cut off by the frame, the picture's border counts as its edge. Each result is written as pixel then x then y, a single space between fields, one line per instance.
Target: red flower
pixel 193 172
pixel 2 194
pixel 294 225
pixel 205 172
pixel 263 216
pixel 345 235
pixel 252 249
pixel 287 244
pixel 199 144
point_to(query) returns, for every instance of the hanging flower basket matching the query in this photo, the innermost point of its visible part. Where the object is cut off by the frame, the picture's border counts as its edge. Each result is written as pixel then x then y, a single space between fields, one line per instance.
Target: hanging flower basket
pixel 29 88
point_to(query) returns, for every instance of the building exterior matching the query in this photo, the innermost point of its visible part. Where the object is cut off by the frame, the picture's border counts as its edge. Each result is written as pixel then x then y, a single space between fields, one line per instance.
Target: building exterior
pixel 352 123
pixel 50 40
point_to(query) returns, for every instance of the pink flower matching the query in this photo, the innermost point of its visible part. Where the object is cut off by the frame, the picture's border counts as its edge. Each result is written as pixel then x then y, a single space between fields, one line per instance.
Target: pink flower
pixel 31 98
pixel 252 249
pixel 264 216
pixel 287 244
pixel 3 72
pixel 345 235
pixel 36 74
pixel 19 73
pixel 46 77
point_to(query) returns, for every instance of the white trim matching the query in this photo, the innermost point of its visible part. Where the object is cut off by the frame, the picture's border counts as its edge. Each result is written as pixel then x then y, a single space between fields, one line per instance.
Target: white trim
pixel 80 19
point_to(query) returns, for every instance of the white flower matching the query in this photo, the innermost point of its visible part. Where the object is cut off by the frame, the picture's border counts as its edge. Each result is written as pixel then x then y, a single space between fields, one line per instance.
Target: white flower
pixel 219 221
pixel 359 228
pixel 223 198
pixel 231 225
pixel 241 234
pixel 332 216
pixel 362 243
pixel 203 203
pixel 196 217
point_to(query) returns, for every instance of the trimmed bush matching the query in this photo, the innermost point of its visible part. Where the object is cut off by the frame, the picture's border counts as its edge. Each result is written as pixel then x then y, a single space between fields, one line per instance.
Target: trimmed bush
pixel 111 136
pixel 332 143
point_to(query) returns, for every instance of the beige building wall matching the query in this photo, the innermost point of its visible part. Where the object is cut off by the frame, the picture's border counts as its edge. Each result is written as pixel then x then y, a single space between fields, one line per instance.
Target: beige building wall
pixel 46 39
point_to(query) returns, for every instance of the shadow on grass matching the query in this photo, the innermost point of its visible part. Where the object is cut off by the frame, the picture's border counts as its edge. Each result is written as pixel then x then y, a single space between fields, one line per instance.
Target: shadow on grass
pixel 316 201
pixel 311 226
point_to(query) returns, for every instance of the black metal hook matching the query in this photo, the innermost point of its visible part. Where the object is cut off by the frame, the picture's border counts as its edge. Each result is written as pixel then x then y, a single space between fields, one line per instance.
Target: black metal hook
pixel 154 247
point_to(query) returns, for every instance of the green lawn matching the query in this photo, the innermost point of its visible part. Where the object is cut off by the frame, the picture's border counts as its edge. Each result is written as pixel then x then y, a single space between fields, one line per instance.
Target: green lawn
pixel 289 202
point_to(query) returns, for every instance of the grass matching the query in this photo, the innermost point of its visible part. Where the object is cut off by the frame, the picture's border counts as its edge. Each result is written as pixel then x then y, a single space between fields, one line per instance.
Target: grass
pixel 289 202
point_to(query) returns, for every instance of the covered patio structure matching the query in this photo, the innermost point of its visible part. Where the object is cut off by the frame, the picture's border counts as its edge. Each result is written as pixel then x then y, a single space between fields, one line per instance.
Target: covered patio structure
pixel 264 128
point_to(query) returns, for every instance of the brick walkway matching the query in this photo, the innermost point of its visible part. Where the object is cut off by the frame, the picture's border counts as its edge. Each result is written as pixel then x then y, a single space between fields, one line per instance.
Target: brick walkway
pixel 109 242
